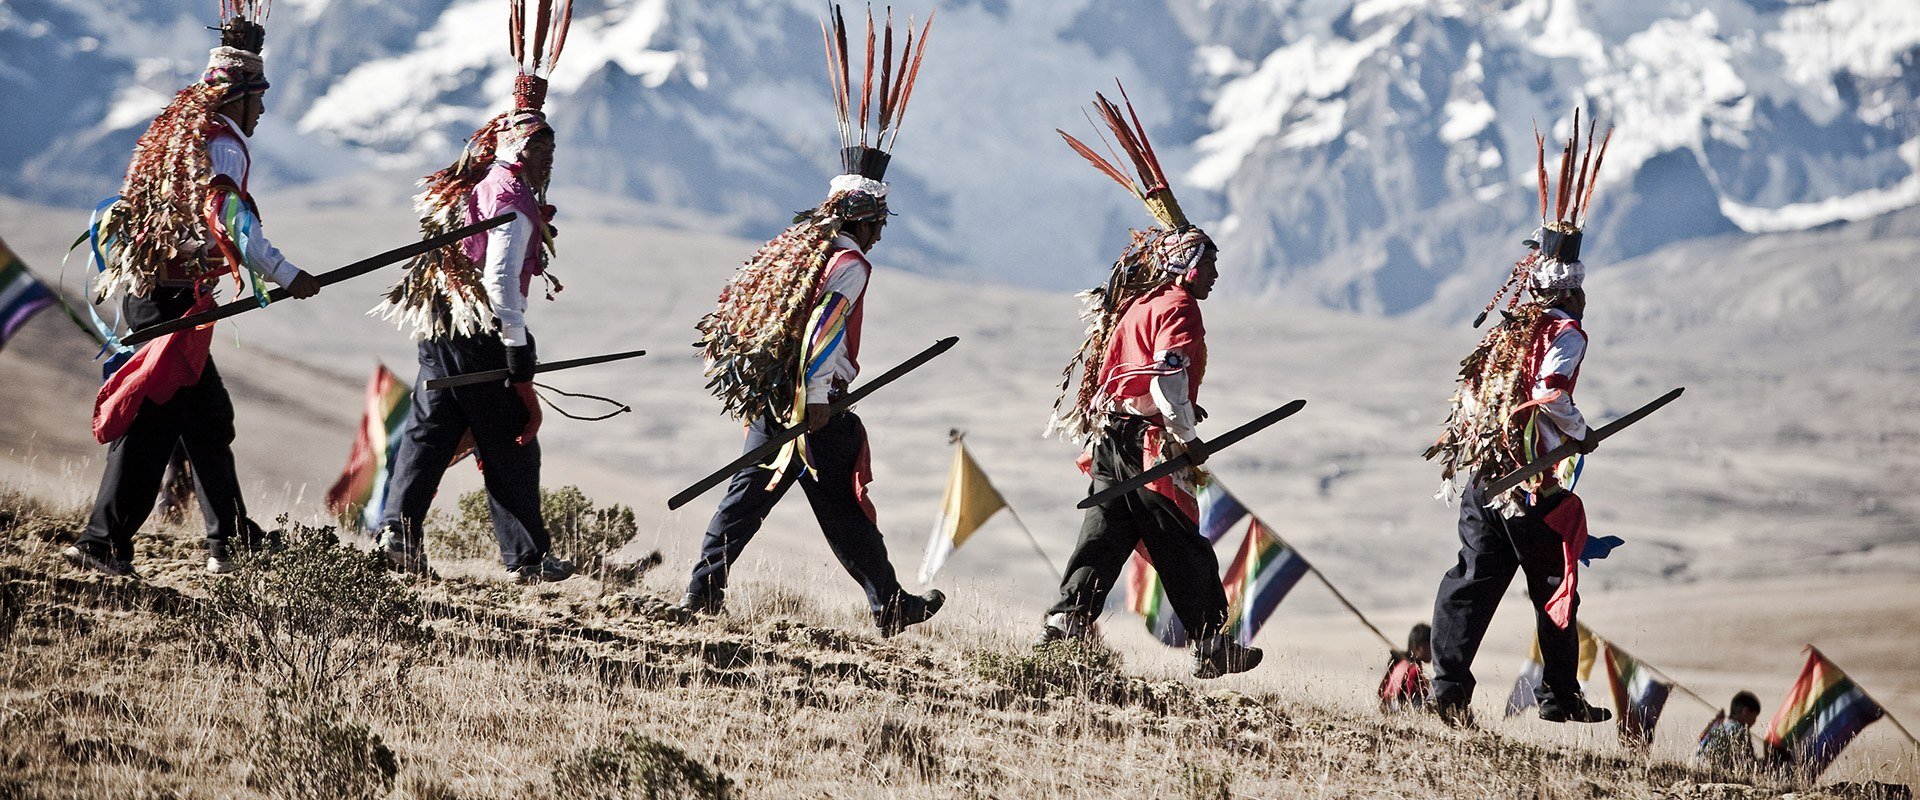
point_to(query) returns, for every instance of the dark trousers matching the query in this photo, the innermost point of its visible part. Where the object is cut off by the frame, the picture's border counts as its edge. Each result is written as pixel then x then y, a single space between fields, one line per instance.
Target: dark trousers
pixel 1492 548
pixel 852 535
pixel 438 421
pixel 198 418
pixel 1188 569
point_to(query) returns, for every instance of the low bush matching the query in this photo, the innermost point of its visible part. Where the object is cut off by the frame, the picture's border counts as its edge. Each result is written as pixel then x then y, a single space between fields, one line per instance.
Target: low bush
pixel 637 767
pixel 314 754
pixel 303 618
pixel 581 532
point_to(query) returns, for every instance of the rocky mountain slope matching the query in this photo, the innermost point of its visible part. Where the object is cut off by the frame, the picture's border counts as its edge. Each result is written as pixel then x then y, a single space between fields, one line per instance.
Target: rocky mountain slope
pixel 1374 156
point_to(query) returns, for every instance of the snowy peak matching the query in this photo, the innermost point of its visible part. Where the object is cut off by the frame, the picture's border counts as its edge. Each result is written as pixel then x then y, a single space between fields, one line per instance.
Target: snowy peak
pixel 1374 155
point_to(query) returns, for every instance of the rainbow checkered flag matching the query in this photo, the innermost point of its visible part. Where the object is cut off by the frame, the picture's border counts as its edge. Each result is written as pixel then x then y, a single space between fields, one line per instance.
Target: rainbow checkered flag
pixel 1146 597
pixel 1638 696
pixel 1262 573
pixel 21 295
pixel 1822 713
pixel 1219 510
pixel 361 491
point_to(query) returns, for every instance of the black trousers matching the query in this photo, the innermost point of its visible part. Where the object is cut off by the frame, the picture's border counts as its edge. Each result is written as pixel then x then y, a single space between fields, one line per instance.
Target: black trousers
pixel 1492 549
pixel 1185 560
pixel 438 421
pixel 198 418
pixel 852 535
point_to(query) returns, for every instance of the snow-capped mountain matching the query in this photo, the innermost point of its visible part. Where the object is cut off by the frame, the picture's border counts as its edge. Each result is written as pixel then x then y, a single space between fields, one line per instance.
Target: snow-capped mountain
pixel 1376 156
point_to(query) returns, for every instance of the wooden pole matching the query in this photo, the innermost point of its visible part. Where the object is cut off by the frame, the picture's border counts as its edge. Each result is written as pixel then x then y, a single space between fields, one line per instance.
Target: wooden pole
pixel 1343 601
pixel 1033 540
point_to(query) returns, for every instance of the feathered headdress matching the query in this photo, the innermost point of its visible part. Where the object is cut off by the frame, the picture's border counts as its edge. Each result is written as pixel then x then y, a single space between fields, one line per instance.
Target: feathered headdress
pixel 236 65
pixel 1153 257
pixel 441 293
pixel 1486 428
pixel 754 338
pixel 867 140
pixel 1554 262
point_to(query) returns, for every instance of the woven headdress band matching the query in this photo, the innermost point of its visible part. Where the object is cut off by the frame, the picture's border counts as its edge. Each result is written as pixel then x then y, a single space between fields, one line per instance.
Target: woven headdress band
pixel 236 64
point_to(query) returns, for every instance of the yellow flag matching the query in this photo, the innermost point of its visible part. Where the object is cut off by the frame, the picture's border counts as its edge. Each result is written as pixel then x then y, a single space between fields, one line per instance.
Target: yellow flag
pixel 970 500
pixel 1589 650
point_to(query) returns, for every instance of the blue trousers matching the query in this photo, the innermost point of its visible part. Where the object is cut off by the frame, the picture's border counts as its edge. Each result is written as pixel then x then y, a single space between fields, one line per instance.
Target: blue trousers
pixel 852 535
pixel 436 424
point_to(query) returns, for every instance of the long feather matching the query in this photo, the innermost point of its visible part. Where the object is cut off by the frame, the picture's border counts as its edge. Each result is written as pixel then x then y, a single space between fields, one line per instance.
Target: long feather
pixel 1560 189
pixel 886 76
pixel 1540 163
pixel 540 32
pixel 560 34
pixel 913 79
pixel 833 80
pixel 1588 200
pixel 846 74
pixel 900 75
pixel 1115 154
pixel 1159 177
pixel 1586 160
pixel 1574 148
pixel 1106 168
pixel 1128 142
pixel 866 81
pixel 516 29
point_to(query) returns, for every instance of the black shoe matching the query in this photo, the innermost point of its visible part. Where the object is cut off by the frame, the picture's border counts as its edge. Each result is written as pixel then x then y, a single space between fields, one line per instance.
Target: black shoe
pixel 702 603
pixel 86 558
pixel 1454 713
pixel 1576 710
pixel 549 570
pixel 260 541
pixel 1220 655
pixel 908 609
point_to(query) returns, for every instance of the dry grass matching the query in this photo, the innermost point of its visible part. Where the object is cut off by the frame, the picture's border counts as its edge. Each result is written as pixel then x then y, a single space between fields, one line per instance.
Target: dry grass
pixel 581 690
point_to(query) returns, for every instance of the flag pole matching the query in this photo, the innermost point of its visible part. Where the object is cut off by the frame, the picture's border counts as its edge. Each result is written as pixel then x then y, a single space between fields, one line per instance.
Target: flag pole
pixel 957 438
pixel 1324 582
pixel 1343 599
pixel 60 297
pixel 1606 640
pixel 1891 718
pixel 1669 679
pixel 1031 539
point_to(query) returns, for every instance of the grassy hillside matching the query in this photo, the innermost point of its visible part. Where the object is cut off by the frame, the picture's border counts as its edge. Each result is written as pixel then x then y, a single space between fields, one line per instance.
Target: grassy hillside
pixel 315 674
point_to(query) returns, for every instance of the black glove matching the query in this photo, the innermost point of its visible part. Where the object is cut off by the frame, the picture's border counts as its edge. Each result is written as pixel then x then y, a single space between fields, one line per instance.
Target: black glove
pixel 520 363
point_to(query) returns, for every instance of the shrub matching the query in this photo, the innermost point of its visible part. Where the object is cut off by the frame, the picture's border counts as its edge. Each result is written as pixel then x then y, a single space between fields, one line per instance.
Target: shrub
pixel 1201 782
pixel 304 618
pixel 637 767
pixel 1069 666
pixel 580 532
pixel 24 516
pixel 316 755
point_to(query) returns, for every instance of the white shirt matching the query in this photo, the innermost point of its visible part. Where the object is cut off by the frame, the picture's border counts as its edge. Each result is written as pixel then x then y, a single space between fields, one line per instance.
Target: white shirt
pixel 1167 397
pixel 506 256
pixel 227 150
pixel 1562 358
pixel 849 281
